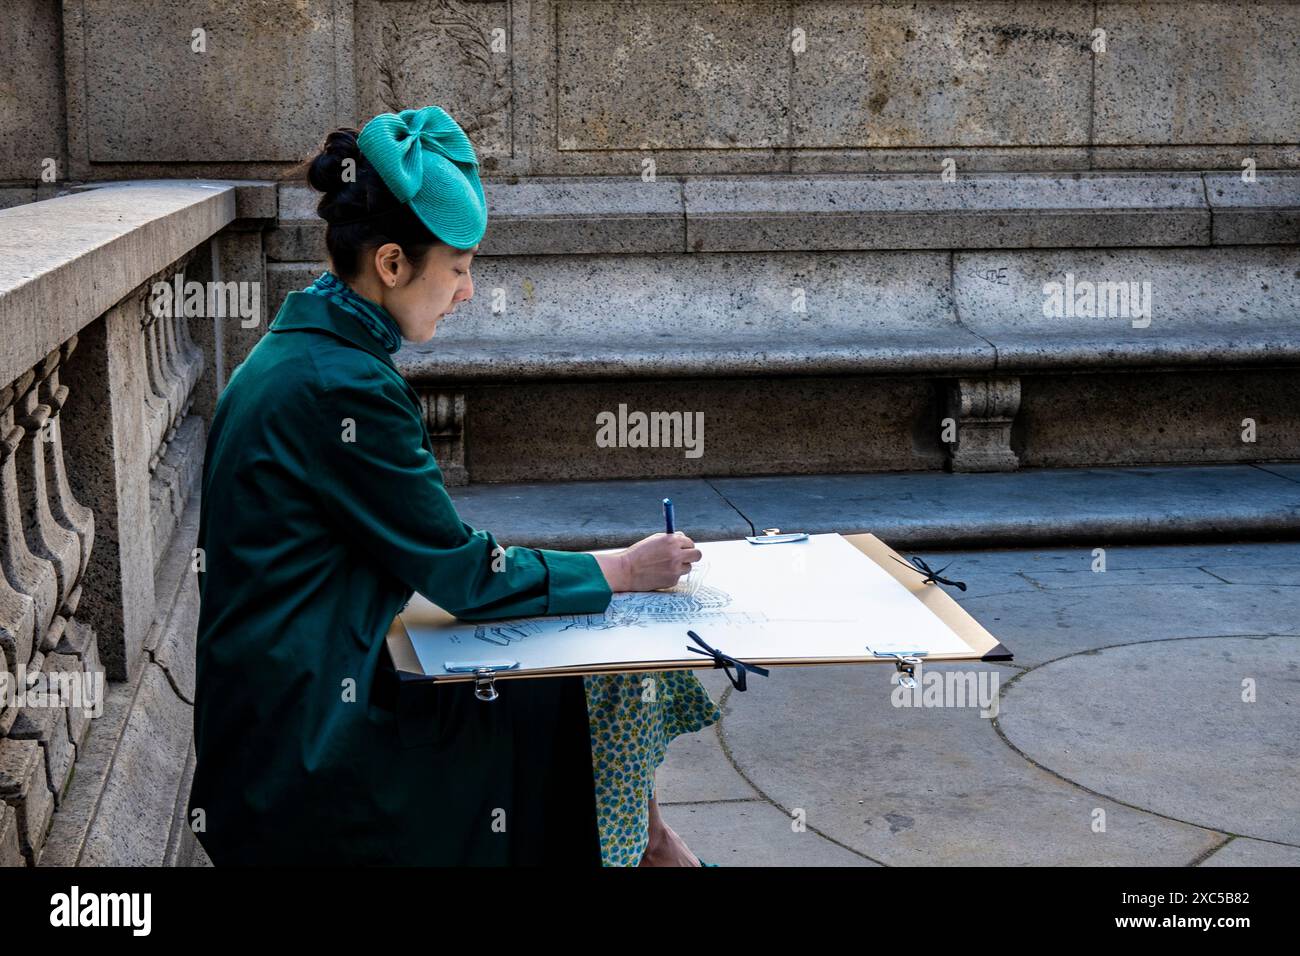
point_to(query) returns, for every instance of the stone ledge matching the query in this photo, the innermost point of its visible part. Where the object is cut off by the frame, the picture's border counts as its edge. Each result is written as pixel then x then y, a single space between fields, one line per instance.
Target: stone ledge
pixel 907 510
pixel 672 316
pixel 1216 307
pixel 489 361
pixel 681 316
pixel 974 211
pixel 65 261
pixel 1267 210
pixel 783 212
pixel 254 198
pixel 545 215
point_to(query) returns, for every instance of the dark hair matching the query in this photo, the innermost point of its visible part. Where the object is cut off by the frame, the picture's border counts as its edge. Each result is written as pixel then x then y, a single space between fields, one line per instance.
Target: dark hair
pixel 360 211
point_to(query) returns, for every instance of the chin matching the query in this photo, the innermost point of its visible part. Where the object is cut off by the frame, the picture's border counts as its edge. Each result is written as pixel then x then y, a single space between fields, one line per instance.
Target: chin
pixel 418 339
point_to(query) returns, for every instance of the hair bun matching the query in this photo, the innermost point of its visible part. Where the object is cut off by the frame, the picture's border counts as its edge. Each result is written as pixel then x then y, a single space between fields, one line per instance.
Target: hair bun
pixel 359 210
pixel 328 168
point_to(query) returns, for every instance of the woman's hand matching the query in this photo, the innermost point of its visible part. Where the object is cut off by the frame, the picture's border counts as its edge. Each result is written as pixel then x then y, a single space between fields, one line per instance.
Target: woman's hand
pixel 652 563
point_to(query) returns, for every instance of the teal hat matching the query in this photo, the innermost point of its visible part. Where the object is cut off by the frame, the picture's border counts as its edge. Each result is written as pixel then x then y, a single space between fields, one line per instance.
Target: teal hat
pixel 427 162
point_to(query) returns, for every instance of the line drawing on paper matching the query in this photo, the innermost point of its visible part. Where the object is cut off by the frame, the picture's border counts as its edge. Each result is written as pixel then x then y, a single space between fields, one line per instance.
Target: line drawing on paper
pixel 691 601
pixel 503 635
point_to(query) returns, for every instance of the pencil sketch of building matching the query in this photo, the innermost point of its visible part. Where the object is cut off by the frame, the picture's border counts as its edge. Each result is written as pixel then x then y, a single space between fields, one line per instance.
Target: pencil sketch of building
pixel 691 603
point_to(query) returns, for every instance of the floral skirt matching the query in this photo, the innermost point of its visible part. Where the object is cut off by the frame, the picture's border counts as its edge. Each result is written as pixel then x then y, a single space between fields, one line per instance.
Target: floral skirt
pixel 633 718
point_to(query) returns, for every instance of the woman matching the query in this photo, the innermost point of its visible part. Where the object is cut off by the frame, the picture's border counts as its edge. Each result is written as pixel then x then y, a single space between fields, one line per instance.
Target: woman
pixel 323 509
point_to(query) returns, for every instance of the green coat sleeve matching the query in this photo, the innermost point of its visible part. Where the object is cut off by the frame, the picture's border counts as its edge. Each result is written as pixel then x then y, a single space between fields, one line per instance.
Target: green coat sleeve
pixel 380 482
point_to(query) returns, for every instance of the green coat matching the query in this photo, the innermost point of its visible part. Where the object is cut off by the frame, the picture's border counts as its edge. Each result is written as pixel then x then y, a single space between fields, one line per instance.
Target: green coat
pixel 323 509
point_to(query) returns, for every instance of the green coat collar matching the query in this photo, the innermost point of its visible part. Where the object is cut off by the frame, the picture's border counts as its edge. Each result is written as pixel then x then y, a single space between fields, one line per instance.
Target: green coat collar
pixel 316 313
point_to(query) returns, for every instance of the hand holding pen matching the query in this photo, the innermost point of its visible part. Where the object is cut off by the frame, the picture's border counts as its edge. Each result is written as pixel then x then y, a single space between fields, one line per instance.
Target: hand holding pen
pixel 653 563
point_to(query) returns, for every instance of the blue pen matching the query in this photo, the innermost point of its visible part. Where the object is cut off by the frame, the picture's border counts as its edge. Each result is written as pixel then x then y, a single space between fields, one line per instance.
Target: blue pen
pixel 668 515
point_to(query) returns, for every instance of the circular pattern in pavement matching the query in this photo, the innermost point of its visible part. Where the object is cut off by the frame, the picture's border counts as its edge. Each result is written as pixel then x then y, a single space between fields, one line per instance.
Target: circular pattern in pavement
pixel 1168 726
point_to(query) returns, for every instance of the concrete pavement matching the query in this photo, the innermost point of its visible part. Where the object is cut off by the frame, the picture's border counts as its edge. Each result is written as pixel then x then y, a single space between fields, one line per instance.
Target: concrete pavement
pixel 1151 717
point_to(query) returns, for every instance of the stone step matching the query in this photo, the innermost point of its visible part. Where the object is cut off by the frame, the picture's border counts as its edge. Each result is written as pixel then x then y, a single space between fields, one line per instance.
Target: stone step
pixel 891 349
pixel 840 324
pixel 779 212
pixel 764 314
pixel 1088 507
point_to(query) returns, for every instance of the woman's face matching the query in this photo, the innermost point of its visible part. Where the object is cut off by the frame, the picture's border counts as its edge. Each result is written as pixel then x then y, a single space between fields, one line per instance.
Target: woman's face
pixel 418 298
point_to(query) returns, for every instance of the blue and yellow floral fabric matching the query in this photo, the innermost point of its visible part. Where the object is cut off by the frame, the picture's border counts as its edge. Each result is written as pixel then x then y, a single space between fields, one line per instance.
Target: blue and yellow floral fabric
pixel 634 717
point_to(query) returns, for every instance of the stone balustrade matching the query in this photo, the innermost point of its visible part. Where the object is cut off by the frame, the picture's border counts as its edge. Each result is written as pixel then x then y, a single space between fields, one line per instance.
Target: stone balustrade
pixel 100 455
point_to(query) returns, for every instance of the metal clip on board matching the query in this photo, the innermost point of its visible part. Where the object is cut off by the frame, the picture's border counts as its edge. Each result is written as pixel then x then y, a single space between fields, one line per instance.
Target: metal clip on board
pixel 905 662
pixel 774 536
pixel 485 675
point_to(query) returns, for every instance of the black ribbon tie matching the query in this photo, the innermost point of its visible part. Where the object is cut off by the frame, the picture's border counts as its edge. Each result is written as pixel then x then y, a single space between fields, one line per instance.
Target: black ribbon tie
pixel 918 564
pixel 726 662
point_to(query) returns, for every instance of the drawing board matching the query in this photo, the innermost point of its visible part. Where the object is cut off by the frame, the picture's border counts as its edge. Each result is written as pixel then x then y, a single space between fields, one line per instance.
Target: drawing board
pixel 829 599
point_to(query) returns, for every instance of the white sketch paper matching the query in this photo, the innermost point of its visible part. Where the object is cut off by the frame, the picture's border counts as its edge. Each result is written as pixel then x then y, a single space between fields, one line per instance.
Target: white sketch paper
pixel 820 598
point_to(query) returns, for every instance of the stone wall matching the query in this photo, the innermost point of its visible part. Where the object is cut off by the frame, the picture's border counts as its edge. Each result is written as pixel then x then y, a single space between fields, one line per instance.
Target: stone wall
pixel 786 139
pixel 117 89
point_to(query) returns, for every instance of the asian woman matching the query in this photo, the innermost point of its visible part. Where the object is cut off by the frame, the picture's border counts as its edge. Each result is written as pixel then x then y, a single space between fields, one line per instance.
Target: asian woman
pixel 323 510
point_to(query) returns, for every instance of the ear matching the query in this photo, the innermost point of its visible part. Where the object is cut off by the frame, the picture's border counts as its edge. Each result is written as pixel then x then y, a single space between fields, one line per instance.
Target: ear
pixel 388 263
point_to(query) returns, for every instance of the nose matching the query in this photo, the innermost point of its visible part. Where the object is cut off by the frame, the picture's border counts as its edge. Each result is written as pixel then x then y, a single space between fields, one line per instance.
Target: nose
pixel 466 291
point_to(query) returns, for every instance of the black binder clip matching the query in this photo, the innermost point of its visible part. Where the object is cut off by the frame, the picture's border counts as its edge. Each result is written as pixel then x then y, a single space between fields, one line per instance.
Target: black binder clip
pixel 774 536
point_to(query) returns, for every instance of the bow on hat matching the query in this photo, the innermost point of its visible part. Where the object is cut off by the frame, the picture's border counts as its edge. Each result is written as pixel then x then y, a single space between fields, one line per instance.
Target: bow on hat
pixel 427 162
